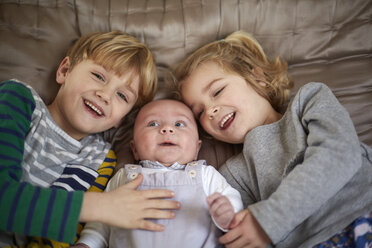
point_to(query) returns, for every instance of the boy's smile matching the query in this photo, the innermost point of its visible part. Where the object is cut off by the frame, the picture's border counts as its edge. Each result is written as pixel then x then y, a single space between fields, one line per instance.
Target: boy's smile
pixel 91 99
pixel 94 109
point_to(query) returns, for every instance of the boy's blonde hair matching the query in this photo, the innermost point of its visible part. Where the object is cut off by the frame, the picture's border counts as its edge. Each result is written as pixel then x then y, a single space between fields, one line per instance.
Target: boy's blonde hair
pixel 240 53
pixel 120 53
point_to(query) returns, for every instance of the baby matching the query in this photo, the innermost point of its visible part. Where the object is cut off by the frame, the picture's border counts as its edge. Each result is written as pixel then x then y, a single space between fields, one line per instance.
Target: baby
pixel 166 144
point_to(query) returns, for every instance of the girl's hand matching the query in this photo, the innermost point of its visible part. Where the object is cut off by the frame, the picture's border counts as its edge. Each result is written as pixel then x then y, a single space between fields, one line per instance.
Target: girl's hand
pixel 129 208
pixel 220 209
pixel 245 232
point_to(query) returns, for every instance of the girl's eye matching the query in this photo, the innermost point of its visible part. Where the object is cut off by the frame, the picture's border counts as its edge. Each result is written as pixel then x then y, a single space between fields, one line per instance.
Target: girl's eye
pixel 218 91
pixel 122 96
pixel 98 76
pixel 179 124
pixel 153 124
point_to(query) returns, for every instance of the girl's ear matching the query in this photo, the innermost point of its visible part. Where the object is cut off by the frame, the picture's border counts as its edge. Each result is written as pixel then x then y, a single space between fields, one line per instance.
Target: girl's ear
pixel 62 71
pixel 259 76
pixel 134 150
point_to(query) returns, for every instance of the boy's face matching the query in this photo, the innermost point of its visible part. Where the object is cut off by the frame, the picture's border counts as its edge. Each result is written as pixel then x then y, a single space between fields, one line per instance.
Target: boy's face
pixel 225 104
pixel 165 131
pixel 91 99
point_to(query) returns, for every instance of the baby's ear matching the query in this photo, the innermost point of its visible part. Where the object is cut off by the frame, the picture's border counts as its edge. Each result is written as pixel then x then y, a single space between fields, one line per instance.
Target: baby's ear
pixel 62 71
pixel 134 150
pixel 198 149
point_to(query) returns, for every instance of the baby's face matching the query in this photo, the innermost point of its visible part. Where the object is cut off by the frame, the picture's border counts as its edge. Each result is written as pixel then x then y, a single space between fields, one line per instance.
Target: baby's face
pixel 166 131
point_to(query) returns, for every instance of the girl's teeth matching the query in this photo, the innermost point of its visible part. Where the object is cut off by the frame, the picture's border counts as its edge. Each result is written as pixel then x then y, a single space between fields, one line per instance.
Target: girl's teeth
pixel 225 119
pixel 93 108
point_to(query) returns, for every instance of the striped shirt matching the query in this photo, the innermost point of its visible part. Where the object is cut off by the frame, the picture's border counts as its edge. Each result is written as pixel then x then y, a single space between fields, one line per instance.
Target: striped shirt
pixel 36 159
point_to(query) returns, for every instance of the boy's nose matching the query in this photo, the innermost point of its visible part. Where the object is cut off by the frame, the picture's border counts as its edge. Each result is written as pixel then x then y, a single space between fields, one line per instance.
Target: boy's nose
pixel 104 95
pixel 212 112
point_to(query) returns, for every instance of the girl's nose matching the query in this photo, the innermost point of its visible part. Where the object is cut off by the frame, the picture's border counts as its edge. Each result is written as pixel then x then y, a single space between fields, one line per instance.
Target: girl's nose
pixel 212 112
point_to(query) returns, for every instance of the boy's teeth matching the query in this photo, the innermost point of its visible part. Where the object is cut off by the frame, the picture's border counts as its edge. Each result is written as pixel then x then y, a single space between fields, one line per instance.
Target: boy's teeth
pixel 93 108
pixel 225 119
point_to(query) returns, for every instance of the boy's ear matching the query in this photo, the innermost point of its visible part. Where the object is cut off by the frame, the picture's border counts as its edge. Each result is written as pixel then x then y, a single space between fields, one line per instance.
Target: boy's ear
pixel 63 68
pixel 134 151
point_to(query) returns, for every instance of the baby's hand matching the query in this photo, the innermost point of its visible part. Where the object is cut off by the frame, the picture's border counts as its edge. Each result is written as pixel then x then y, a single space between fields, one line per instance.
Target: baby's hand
pixel 220 209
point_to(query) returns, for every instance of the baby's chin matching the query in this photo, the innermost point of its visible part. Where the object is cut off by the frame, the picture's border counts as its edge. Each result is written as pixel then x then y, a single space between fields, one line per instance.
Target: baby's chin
pixel 171 162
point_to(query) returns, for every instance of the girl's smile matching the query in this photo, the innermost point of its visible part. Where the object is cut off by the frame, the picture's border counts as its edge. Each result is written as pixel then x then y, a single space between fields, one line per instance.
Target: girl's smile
pixel 226 106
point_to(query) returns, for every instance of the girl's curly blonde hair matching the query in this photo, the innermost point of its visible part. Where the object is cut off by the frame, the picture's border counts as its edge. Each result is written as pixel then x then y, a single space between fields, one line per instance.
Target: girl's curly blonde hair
pixel 240 53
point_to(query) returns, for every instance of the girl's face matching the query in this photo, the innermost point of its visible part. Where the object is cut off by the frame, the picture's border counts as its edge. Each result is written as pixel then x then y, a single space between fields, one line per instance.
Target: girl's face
pixel 226 106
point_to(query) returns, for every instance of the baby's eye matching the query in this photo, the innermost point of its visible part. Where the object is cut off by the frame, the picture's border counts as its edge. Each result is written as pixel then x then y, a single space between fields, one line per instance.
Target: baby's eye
pixel 98 76
pixel 179 124
pixel 153 124
pixel 122 96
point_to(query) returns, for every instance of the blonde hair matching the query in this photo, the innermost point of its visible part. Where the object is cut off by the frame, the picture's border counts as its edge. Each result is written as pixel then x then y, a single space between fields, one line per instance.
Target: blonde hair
pixel 120 53
pixel 240 53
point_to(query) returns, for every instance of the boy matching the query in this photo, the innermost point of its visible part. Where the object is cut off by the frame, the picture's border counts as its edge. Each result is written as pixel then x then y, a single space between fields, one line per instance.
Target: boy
pixel 44 148
pixel 166 143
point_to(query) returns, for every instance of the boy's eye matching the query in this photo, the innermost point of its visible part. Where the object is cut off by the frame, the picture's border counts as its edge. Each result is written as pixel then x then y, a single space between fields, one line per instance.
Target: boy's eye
pixel 98 76
pixel 122 96
pixel 179 124
pixel 153 124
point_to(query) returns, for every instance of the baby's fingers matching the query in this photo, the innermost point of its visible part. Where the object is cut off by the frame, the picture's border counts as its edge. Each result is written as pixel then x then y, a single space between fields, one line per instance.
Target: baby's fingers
pixel 213 197
pixel 218 202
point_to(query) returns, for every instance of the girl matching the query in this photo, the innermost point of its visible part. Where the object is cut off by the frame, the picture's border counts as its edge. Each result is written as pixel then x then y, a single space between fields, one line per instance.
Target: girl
pixel 304 176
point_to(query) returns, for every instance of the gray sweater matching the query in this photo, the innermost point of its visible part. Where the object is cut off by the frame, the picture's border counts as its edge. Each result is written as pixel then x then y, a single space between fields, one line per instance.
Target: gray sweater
pixel 306 176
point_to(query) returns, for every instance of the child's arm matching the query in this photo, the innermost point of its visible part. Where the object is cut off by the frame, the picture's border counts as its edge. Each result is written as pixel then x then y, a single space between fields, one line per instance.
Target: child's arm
pixel 220 194
pixel 331 158
pixel 24 208
pixel 54 213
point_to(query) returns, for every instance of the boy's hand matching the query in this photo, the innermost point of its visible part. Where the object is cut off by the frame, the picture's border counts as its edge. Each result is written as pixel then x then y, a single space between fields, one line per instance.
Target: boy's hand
pixel 79 245
pixel 129 208
pixel 245 232
pixel 220 209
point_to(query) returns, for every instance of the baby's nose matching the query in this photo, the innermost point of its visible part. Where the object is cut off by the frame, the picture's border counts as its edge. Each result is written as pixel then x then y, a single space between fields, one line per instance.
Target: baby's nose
pixel 167 129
